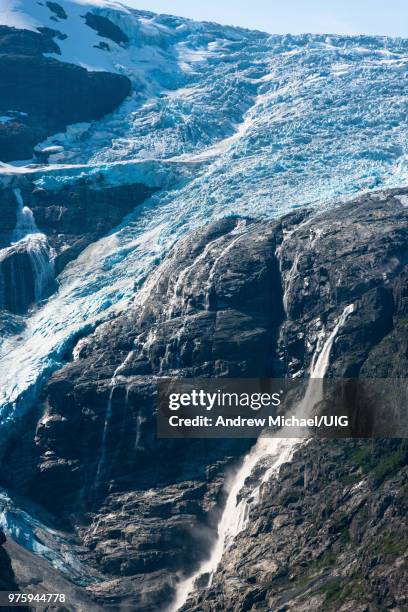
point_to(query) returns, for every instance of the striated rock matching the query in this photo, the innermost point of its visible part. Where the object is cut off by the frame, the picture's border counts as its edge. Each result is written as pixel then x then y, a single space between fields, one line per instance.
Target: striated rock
pixel 355 253
pixel 97 449
pixel 25 42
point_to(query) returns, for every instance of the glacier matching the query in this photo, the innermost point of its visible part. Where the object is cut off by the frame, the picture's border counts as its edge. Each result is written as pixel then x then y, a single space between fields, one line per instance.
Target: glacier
pixel 226 121
pixel 28 531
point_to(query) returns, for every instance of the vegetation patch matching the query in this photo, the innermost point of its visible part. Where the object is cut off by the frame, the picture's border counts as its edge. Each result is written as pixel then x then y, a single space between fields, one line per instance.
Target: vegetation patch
pixel 381 465
pixel 391 545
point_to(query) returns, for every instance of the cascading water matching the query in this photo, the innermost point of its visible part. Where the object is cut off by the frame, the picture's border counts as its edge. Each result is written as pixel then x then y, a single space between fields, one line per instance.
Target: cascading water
pixel 36 245
pixel 108 417
pixel 25 222
pixel 139 422
pixel 275 451
pixel 226 122
pixel 26 266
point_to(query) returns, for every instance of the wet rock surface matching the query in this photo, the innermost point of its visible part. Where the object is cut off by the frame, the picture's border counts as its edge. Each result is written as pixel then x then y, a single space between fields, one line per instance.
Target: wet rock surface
pixel 20 287
pixel 237 298
pixel 353 254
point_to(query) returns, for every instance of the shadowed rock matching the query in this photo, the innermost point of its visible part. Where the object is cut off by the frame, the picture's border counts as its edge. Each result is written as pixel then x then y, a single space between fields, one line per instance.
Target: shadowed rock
pixel 52 94
pixel 105 28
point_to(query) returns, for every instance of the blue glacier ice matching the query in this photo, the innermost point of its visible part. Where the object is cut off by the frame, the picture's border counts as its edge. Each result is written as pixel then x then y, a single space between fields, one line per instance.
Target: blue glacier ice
pixel 44 541
pixel 225 121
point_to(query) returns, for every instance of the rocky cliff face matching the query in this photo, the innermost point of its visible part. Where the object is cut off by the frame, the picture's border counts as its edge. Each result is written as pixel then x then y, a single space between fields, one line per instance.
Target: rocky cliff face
pixel 26 274
pixel 41 96
pixel 238 298
pixel 7 580
pixel 353 254
pixel 328 534
pixel 22 571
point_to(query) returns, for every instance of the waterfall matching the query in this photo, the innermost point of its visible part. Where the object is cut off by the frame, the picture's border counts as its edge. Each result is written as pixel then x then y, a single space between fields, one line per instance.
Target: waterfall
pixel 41 263
pixel 108 417
pixel 25 224
pixel 139 422
pixel 276 451
pixel 211 275
pixel 27 265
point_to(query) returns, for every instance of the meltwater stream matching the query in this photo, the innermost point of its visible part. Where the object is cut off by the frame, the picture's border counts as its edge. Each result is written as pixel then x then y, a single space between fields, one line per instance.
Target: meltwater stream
pixel 274 450
pixel 25 221
pixel 36 245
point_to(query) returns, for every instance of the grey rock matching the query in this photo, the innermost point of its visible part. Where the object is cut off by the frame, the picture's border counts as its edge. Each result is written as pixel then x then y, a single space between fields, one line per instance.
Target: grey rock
pixel 237 298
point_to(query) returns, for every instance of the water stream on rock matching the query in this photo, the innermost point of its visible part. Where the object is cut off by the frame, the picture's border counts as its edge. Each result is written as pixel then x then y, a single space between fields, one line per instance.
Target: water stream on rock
pixel 37 245
pixel 225 122
pixel 25 223
pixel 108 416
pixel 275 451
pixel 231 122
pixel 26 239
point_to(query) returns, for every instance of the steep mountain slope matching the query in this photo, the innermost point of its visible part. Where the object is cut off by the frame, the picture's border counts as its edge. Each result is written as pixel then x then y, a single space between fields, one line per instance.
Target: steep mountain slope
pixel 147 509
pixel 40 95
pixel 168 234
pixel 225 121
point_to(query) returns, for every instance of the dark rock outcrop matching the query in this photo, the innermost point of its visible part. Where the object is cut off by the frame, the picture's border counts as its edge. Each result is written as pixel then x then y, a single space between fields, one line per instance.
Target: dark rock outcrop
pixel 59 92
pixel 14 41
pixel 22 571
pixel 105 28
pixel 355 253
pixel 57 9
pixel 50 94
pixel 7 578
pixel 77 215
pixel 69 220
pixel 100 443
pixel 26 274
